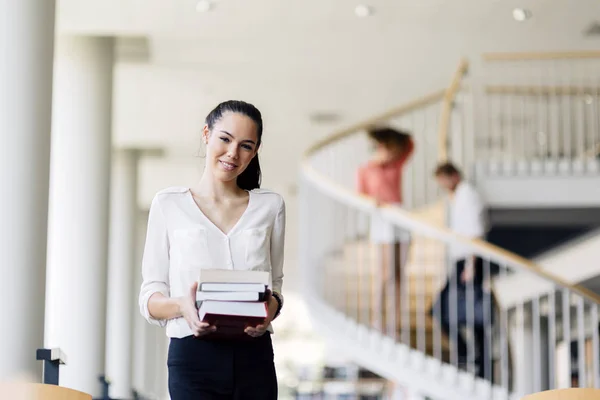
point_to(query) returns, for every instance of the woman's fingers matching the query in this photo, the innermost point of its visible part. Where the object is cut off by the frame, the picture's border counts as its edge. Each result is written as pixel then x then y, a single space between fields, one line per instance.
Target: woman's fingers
pixel 196 328
pixel 196 325
pixel 257 331
pixel 195 321
pixel 204 331
pixel 203 328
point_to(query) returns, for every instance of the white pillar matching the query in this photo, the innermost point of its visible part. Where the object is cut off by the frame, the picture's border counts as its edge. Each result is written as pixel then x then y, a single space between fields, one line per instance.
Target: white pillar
pixel 79 204
pixel 123 239
pixel 26 53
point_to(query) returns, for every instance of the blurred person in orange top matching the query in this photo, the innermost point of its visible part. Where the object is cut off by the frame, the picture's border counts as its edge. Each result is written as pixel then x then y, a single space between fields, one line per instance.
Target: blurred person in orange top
pixel 381 179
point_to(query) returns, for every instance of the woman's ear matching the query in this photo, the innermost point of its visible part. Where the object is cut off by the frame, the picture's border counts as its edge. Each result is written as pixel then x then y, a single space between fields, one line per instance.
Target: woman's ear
pixel 205 134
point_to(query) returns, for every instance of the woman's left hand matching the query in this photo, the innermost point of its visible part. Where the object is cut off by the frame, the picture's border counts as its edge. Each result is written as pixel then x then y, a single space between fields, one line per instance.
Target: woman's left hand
pixel 260 330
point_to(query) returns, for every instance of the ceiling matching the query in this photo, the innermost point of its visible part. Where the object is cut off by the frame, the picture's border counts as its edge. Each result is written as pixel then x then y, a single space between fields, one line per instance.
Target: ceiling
pixel 293 58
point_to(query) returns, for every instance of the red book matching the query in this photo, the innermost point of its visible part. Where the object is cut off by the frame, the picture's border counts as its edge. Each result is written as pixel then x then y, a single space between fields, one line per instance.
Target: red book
pixel 232 317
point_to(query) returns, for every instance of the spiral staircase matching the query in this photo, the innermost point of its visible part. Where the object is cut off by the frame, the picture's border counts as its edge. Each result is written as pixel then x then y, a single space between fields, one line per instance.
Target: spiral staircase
pixel 505 118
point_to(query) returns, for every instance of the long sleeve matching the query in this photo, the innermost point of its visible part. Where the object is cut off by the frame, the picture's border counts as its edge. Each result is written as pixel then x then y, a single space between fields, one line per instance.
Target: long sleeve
pixel 277 248
pixel 155 261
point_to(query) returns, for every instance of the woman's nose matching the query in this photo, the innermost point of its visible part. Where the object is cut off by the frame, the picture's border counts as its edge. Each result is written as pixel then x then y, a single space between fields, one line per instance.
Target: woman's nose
pixel 232 152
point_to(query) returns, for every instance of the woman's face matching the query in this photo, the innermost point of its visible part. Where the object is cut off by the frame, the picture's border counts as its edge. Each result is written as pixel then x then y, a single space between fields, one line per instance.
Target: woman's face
pixel 230 145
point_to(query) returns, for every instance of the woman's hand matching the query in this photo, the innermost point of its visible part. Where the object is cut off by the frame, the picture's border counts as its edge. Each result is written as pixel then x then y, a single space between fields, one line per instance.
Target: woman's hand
pixel 187 307
pixel 272 305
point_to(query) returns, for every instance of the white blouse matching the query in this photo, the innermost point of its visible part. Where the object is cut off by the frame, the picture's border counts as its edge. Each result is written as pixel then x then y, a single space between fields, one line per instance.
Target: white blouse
pixel 468 217
pixel 181 240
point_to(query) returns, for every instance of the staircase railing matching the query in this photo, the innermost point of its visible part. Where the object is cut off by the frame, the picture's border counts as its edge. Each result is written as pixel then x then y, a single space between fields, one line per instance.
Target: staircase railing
pixel 539 112
pixel 546 342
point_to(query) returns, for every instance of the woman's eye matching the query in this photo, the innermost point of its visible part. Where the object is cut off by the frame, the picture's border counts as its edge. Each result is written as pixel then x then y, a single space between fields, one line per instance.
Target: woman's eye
pixel 225 139
pixel 247 146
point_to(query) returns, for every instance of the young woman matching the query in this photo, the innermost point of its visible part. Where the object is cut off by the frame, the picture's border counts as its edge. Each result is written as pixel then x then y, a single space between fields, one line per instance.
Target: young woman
pixel 224 222
pixel 381 178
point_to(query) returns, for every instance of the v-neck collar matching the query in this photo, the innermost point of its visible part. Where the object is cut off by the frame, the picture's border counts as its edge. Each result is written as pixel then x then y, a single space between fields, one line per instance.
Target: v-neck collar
pixel 212 224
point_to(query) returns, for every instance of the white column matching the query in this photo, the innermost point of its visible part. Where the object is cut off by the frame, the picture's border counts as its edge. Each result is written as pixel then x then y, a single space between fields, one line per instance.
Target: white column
pixel 79 204
pixel 26 53
pixel 123 229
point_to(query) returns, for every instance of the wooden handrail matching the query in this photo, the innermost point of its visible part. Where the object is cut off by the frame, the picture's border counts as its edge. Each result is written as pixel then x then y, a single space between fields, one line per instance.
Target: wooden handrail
pixel 566 394
pixel 541 90
pixel 392 113
pixel 447 104
pixel 481 246
pixel 533 56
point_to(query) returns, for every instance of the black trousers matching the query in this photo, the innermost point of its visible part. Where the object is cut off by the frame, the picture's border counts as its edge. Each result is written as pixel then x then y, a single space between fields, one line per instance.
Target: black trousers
pixel 478 331
pixel 201 369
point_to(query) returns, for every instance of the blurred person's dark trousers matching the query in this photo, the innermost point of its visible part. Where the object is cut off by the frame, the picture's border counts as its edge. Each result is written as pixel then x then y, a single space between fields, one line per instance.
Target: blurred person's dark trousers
pixel 467 307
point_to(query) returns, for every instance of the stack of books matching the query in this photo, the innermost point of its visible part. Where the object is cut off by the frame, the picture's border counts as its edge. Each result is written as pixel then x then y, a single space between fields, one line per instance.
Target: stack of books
pixel 232 300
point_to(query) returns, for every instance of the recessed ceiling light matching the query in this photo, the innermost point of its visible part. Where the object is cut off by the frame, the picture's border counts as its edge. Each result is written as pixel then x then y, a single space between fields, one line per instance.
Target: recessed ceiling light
pixel 363 11
pixel 521 14
pixel 204 5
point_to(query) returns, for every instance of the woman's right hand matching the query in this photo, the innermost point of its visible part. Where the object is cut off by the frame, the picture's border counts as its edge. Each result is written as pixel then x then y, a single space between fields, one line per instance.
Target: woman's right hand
pixel 190 313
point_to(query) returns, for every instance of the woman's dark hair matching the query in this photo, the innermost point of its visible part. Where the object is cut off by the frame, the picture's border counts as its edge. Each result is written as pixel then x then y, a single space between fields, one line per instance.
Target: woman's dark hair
pixel 250 178
pixel 389 137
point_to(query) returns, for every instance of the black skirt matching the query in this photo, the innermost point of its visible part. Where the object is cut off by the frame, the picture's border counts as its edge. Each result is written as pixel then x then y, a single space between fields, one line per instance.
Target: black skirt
pixel 201 369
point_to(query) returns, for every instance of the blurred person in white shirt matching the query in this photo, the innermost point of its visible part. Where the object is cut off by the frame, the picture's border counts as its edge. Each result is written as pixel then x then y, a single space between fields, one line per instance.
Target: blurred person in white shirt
pixel 465 302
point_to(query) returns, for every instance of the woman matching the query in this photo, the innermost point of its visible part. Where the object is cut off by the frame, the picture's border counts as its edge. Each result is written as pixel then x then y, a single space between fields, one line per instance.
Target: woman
pixel 381 179
pixel 224 222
